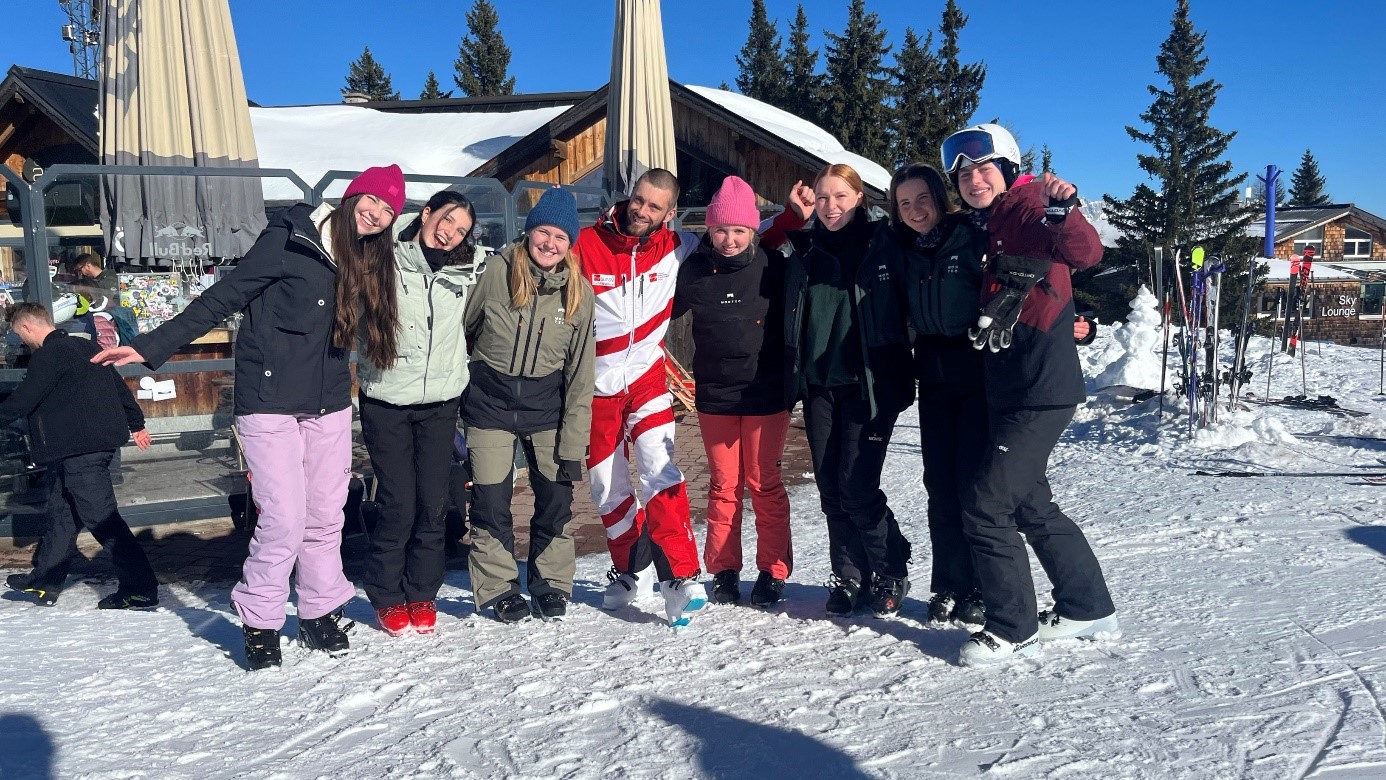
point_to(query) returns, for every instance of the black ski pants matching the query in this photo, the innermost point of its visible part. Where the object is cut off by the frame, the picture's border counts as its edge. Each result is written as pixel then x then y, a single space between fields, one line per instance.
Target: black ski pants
pixel 952 438
pixel 411 454
pixel 1010 498
pixel 848 447
pixel 80 492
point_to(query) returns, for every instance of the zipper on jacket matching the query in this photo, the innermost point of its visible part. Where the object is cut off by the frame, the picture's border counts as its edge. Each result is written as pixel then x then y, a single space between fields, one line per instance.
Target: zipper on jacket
pixel 630 339
pixel 539 343
pixel 515 347
pixel 428 355
pixel 529 337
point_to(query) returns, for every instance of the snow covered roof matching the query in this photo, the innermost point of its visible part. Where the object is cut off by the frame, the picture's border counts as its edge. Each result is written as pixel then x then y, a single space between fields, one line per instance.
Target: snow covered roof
pixel 1279 271
pixel 313 140
pixel 799 132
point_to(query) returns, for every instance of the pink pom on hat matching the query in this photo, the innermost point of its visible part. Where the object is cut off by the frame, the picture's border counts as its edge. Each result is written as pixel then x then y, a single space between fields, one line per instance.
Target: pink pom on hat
pixel 734 204
pixel 386 183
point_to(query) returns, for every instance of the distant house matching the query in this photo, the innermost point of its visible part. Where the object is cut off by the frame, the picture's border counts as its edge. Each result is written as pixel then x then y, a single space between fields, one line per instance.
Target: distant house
pixel 1349 280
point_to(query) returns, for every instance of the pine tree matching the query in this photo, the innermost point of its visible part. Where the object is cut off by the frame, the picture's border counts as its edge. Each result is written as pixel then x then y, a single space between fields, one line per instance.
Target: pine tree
pixel 368 78
pixel 1197 198
pixel 803 96
pixel 483 59
pixel 913 109
pixel 1194 201
pixel 761 68
pixel 856 85
pixel 960 86
pixel 432 90
pixel 1306 183
pixel 1046 159
pixel 934 94
pixel 1027 160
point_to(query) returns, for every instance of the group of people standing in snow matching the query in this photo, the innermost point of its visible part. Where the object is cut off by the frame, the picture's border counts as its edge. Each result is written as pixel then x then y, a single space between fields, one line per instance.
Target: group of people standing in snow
pixel 557 347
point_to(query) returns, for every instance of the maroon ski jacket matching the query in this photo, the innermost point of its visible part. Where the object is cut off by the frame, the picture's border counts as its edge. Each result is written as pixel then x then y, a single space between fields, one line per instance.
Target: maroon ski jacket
pixel 1041 368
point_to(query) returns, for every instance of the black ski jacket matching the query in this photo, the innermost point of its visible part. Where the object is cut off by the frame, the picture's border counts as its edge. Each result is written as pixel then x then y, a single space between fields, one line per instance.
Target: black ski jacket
pixel 879 306
pixel 285 361
pixel 738 329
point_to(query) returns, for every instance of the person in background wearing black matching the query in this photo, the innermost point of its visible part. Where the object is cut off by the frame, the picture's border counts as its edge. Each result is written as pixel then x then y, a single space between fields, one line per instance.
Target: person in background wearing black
pixel 77 449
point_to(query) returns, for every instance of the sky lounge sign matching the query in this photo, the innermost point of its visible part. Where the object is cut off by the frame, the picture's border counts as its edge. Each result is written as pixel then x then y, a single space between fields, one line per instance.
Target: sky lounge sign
pixel 180 239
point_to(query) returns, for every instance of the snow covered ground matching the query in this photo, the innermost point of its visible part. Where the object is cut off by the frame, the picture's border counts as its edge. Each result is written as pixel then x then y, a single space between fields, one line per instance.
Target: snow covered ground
pixel 1255 647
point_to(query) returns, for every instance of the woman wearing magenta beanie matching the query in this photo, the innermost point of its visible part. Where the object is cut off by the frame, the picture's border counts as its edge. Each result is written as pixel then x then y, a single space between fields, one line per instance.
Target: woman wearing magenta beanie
pixel 300 288
pixel 735 290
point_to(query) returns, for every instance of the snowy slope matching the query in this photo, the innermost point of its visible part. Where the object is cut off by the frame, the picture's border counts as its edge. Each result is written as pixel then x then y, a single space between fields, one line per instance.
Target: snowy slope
pixel 1254 647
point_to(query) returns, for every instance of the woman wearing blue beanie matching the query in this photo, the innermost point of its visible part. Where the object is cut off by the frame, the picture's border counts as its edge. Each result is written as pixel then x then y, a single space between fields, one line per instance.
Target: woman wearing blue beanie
pixel 532 374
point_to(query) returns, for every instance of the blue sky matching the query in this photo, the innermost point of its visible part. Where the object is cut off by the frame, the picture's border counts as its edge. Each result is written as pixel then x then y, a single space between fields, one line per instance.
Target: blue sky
pixel 1072 75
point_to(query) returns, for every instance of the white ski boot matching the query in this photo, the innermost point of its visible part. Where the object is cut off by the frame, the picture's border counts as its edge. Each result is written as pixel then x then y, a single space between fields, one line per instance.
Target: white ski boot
pixel 623 589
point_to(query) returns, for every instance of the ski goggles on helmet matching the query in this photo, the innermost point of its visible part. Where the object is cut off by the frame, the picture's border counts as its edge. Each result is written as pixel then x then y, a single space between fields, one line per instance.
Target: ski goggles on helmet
pixel 975 146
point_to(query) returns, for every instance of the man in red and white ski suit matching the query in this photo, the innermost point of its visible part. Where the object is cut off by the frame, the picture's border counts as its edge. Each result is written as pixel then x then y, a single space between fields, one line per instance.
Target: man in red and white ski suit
pixel 632 260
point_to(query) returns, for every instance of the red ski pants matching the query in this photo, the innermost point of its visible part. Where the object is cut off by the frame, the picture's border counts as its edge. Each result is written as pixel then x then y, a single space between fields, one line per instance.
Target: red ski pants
pixel 745 452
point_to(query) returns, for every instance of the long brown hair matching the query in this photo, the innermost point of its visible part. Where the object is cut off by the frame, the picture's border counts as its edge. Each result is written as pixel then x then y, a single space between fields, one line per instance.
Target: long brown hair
pixel 365 281
pixel 523 284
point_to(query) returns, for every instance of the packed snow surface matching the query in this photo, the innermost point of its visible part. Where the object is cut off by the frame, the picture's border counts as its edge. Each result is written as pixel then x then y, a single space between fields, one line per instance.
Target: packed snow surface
pixel 1255 645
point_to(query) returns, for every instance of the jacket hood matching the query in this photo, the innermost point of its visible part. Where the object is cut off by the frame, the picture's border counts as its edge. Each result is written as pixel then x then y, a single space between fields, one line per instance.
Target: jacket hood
pixel 301 220
pixel 609 228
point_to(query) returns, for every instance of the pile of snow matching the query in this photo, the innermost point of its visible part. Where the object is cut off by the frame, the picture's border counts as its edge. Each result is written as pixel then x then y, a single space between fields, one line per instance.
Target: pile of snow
pixel 799 132
pixel 1139 338
pixel 312 140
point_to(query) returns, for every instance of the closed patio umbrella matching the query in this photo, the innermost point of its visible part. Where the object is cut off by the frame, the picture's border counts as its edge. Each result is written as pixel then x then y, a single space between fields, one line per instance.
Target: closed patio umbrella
pixel 172 93
pixel 639 115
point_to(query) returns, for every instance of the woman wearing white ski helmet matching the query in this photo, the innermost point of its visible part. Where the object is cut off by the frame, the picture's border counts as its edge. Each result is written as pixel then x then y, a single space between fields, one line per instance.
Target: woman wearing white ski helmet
pixel 1034 238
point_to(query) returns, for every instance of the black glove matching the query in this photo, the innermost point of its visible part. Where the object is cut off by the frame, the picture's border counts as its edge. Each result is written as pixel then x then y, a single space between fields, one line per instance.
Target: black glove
pixel 1016 277
pixel 569 471
pixel 1058 209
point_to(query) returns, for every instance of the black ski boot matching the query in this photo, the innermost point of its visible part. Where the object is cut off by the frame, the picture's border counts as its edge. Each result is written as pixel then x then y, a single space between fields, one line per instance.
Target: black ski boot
pixel 767 592
pixel 512 609
pixel 726 587
pixel 887 596
pixel 261 648
pixel 553 605
pixel 970 611
pixel 326 633
pixel 122 600
pixel 941 607
pixel 45 597
pixel 842 596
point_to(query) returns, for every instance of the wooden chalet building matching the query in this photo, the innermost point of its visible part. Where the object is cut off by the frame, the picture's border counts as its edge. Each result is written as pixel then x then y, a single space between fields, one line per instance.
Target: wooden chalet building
pixel 1349 282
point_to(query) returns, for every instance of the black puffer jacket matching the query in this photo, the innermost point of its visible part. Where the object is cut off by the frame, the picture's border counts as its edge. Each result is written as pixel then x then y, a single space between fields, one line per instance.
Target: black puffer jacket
pixel 285 361
pixel 879 311
pixel 73 405
pixel 738 329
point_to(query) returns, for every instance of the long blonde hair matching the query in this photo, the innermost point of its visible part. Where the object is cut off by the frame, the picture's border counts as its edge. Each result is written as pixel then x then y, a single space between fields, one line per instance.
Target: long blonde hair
pixel 523 284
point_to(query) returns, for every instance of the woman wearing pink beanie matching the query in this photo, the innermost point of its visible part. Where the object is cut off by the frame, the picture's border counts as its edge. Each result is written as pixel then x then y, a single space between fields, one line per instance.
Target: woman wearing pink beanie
pixel 735 290
pixel 313 277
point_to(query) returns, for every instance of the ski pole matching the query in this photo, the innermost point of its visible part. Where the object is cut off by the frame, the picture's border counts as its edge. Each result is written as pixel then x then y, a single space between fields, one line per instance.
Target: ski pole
pixel 1270 358
pixel 1164 356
